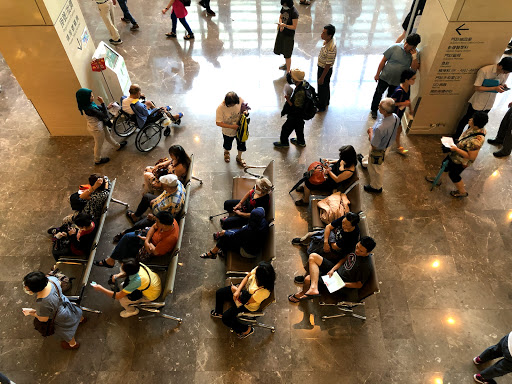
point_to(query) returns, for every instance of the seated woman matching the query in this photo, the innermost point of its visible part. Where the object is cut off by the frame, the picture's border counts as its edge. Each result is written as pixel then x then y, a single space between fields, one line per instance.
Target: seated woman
pixel 249 239
pixel 177 164
pixel 247 296
pixel 50 303
pixel 141 284
pixel 160 239
pixel 256 197
pixel 338 171
pixel 80 241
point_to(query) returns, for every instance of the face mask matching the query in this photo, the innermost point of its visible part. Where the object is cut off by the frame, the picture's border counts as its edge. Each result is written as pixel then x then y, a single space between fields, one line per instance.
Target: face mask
pixel 27 291
pixel 285 7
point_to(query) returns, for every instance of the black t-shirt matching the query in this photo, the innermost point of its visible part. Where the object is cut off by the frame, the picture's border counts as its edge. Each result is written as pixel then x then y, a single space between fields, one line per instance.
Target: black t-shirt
pixel 346 241
pixel 287 17
pixel 356 268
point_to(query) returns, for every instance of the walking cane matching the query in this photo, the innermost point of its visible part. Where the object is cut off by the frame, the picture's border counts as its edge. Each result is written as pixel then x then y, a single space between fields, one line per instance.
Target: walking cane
pixel 220 214
pixel 438 176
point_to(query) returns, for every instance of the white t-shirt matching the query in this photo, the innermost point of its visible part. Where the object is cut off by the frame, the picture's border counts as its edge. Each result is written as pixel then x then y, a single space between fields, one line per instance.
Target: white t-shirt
pixel 126 105
pixel 228 115
pixel 483 101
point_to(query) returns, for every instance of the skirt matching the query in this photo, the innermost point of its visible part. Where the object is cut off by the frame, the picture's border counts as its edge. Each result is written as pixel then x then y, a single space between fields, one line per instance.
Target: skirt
pixel 284 45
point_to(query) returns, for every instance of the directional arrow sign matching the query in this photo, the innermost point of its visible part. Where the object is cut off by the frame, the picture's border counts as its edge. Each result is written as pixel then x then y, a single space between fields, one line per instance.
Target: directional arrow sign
pixel 461 29
pixel 80 43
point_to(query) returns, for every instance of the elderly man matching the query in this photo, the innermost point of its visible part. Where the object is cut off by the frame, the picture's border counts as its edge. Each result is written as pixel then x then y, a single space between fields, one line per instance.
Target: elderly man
pixel 490 80
pixel 504 135
pixel 396 59
pixel 380 136
pixel 326 60
pixel 293 109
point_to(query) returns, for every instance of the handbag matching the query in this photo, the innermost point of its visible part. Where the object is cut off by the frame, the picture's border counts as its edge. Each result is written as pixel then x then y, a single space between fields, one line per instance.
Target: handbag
pixel 48 328
pixel 377 155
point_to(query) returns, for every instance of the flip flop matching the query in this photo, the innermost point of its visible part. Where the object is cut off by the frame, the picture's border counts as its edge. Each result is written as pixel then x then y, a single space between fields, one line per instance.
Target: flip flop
pixel 216 236
pixel 309 297
pixel 208 255
pixel 102 263
pixel 292 298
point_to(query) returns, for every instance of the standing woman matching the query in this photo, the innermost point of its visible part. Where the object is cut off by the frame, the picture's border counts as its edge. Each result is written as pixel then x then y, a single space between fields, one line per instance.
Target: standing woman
pixel 288 20
pixel 227 117
pixel 97 123
pixel 51 303
pixel 178 12
pixel 402 96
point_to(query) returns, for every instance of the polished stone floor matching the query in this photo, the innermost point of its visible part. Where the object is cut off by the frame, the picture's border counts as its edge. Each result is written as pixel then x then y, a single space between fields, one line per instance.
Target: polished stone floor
pixel 425 325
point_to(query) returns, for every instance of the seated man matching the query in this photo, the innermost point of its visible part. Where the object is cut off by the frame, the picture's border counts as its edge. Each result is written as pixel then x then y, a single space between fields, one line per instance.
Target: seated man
pixel 160 239
pixel 338 238
pixel 353 269
pixel 137 105
pixel 141 284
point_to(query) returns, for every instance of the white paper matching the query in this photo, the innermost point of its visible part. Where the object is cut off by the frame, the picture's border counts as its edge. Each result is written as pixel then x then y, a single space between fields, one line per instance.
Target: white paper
pixel 333 283
pixel 447 141
pixel 27 311
pixel 287 90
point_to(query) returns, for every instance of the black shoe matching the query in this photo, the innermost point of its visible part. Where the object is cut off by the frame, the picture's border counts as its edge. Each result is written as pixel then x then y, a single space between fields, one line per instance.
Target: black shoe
pixel 122 145
pixel 494 141
pixel 370 189
pixel 278 144
pixel 295 142
pixel 300 188
pixel 210 12
pixel 296 241
pixel 508 51
pixel 301 203
pixel 360 159
pixel 134 27
pixel 115 42
pixel 299 279
pixel 500 154
pixel 103 160
pixel 374 115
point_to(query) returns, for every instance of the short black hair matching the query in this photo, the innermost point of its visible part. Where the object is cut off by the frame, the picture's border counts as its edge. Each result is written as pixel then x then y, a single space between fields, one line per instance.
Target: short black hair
pixel 506 64
pixel 348 155
pixel 406 75
pixel 165 217
pixel 288 3
pixel 480 119
pixel 331 29
pixel 130 266
pixel 231 99
pixel 353 218
pixel 35 281
pixel 368 243
pixel 265 275
pixel 82 220
pixel 413 39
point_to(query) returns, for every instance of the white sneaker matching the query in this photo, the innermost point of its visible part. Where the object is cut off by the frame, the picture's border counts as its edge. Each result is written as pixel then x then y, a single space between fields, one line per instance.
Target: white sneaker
pixel 126 313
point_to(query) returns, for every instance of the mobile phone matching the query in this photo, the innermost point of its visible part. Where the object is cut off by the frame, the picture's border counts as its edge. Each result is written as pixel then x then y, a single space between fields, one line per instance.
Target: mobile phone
pixel 93 283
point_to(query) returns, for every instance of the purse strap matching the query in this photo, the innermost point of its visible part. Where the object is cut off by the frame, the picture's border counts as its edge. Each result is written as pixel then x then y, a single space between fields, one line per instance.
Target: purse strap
pixel 149 277
pixel 397 121
pixel 60 300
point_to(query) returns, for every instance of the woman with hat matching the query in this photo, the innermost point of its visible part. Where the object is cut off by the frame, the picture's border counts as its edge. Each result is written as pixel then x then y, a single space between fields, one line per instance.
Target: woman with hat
pixel 241 209
pixel 97 123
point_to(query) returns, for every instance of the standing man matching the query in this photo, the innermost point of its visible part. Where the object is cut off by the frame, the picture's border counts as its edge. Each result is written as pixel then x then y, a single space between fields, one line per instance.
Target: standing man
pixel 397 58
pixel 106 8
pixel 501 367
pixel 381 135
pixel 293 109
pixel 127 16
pixel 326 60
pixel 504 135
pixel 490 80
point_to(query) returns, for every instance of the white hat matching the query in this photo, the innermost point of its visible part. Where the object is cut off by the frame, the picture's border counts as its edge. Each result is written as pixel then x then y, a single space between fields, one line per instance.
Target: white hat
pixel 170 180
pixel 297 74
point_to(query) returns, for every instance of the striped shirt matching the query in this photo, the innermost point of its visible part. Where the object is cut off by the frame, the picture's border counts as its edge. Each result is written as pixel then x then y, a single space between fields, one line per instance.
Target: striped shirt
pixel 170 202
pixel 327 53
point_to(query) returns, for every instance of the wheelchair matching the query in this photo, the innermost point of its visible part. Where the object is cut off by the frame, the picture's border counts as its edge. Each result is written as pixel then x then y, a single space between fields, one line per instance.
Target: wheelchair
pixel 150 134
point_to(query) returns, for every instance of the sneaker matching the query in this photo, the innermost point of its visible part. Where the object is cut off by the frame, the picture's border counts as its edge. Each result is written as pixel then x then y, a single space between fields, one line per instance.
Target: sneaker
pixel 134 27
pixel 295 142
pixel 283 67
pixel 477 360
pixel 103 160
pixel 278 144
pixel 479 379
pixel 122 145
pixel 299 279
pixel 124 314
pixel 115 42
pixel 500 154
pixel 374 115
pixel 243 336
pixel 368 188
pixel 495 141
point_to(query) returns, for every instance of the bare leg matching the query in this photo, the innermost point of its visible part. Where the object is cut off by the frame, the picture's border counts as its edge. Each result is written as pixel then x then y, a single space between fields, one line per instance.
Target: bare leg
pixel 461 187
pixel 72 342
pixel 288 64
pixel 148 177
pixel 314 262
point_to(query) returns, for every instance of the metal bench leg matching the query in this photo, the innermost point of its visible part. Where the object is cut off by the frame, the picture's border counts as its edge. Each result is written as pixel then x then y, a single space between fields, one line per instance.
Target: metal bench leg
pixel 119 202
pixel 261 325
pixel 198 179
pixel 90 310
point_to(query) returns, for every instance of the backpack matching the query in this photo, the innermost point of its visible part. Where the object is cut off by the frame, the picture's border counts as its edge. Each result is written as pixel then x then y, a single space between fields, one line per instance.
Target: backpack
pixel 242 133
pixel 310 107
pixel 315 175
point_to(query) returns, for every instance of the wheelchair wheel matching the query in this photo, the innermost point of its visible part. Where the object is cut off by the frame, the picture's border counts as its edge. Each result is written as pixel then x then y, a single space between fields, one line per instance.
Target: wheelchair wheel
pixel 148 138
pixel 167 131
pixel 123 125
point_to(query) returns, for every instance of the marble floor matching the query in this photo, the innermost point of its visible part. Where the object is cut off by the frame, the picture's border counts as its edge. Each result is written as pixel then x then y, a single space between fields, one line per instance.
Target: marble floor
pixel 425 325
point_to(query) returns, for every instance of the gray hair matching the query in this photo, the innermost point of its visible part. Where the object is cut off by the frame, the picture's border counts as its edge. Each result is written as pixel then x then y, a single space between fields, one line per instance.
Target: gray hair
pixel 388 104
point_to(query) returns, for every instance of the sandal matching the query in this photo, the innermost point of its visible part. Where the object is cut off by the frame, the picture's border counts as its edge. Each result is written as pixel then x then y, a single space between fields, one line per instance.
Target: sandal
pixel 170 34
pixel 103 263
pixel 244 335
pixel 293 299
pixel 458 194
pixel 227 158
pixel 129 215
pixel 188 36
pixel 241 162
pixel 208 255
pixel 216 236
pixel 215 314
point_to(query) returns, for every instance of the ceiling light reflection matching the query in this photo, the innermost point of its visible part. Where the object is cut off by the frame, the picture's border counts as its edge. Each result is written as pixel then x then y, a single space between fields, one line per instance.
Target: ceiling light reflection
pixel 196 139
pixel 436 264
pixel 495 173
pixel 438 380
pixel 450 320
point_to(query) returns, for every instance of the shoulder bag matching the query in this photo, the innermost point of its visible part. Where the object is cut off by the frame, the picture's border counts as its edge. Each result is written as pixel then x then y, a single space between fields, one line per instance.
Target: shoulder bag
pixel 47 328
pixel 377 155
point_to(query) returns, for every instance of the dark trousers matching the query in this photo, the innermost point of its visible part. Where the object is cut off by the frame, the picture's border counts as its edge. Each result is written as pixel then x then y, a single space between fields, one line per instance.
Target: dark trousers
pixel 233 221
pixel 228 143
pixel 206 4
pixel 229 241
pixel 229 317
pixel 377 96
pixel 454 170
pixel 503 366
pixel 183 22
pixel 505 132
pixel 292 123
pixel 144 204
pixel 126 12
pixel 324 90
pixel 464 121
pixel 141 224
pixel 127 247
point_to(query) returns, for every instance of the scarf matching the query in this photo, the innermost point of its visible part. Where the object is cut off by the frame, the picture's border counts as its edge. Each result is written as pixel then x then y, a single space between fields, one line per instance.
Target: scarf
pixel 83 99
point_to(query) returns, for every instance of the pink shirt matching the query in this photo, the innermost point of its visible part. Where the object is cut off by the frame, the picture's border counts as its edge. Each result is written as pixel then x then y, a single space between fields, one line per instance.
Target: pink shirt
pixel 179 9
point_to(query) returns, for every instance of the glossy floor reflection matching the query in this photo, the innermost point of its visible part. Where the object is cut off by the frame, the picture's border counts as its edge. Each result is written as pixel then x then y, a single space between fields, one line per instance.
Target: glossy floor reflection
pixel 443 264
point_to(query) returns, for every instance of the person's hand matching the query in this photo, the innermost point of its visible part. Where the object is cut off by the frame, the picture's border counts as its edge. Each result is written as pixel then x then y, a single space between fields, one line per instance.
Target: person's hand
pixel 321 80
pixel 237 212
pixel 369 130
pixel 510 104
pixel 453 148
pixel 97 287
pixel 407 103
pixel 152 202
pixel 327 247
pixel 500 88
pixel 100 99
pixel 287 97
pixel 151 217
pixel 330 273
pixel 164 10
pixel 72 231
pixel 377 77
pixel 237 207
pixel 236 295
pixel 98 183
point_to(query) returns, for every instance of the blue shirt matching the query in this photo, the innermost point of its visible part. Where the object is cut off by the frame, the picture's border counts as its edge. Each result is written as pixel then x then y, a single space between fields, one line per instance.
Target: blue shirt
pixel 384 132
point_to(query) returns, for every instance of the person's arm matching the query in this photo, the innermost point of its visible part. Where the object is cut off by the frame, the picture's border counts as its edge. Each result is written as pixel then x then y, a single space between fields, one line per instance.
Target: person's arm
pixel 109 293
pixel 324 73
pixel 86 195
pixel 327 232
pixel 415 64
pixel 42 319
pixel 239 205
pixel 344 175
pixel 224 125
pixel 471 155
pixel 380 68
pixel 168 7
pixel 337 266
pixel 356 285
pixel 238 290
pixel 293 26
pixel 147 239
pixel 179 170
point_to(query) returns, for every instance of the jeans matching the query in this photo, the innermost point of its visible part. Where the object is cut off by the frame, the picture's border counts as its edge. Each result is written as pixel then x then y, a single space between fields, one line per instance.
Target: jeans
pixel 128 247
pixel 293 123
pixel 324 90
pixel 107 14
pixel 144 204
pixel 126 12
pixel 99 138
pixel 229 317
pixel 501 367
pixel 233 221
pixel 229 241
pixel 464 121
pixel 505 132
pixel 183 22
pixel 228 143
pixel 377 96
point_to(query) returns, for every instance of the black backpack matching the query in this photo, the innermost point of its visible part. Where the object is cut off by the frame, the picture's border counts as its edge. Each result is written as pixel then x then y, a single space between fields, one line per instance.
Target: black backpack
pixel 310 107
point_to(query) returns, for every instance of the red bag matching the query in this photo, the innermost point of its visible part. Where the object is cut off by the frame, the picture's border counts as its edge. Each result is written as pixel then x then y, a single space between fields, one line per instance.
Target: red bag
pixel 316 173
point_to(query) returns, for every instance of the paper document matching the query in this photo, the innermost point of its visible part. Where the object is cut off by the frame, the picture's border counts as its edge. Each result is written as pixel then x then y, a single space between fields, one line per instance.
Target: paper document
pixel 287 90
pixel 333 283
pixel 447 141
